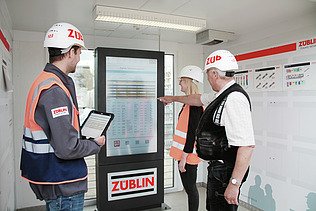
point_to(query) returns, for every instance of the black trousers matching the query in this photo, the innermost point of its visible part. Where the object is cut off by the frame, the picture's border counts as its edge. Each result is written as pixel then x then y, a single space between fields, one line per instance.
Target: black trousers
pixel 188 179
pixel 219 175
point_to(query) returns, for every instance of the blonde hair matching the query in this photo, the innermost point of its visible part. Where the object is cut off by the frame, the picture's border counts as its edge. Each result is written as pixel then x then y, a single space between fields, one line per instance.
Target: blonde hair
pixel 192 87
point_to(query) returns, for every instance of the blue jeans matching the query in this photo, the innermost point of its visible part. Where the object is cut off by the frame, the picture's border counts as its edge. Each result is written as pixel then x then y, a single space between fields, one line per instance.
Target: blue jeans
pixel 66 203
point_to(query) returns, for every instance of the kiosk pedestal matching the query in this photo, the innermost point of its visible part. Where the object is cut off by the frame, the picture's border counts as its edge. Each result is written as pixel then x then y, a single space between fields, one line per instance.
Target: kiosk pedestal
pixel 131 186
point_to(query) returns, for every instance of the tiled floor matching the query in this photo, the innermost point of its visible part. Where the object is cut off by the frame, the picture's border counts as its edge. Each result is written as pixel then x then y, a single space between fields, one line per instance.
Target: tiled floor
pixel 177 202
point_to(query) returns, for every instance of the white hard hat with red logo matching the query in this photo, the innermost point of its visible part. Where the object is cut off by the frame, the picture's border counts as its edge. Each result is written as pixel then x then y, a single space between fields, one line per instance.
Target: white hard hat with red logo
pixel 222 60
pixel 63 36
pixel 192 72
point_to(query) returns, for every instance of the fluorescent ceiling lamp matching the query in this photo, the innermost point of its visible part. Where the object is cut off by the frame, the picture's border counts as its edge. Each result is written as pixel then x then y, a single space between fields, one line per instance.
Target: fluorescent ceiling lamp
pixel 137 17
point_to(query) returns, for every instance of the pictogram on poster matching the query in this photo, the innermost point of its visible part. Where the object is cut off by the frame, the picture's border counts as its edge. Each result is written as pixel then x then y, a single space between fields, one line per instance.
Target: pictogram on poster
pixel 300 76
pixel 245 79
pixel 268 79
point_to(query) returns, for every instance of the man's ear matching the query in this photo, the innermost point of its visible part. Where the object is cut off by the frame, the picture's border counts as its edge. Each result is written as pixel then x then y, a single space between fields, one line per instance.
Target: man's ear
pixel 215 73
pixel 71 53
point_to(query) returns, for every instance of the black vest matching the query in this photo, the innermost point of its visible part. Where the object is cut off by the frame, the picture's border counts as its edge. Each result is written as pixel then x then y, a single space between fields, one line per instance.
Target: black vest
pixel 212 143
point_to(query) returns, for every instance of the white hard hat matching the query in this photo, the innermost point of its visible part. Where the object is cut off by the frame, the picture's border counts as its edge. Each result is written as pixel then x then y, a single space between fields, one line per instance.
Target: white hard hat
pixel 192 72
pixel 64 36
pixel 221 59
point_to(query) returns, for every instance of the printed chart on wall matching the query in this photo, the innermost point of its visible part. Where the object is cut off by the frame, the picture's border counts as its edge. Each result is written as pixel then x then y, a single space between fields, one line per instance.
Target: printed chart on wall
pixel 300 76
pixel 245 79
pixel 131 91
pixel 268 79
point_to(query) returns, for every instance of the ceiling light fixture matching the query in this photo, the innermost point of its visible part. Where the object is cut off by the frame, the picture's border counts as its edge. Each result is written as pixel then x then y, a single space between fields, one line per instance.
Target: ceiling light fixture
pixel 128 16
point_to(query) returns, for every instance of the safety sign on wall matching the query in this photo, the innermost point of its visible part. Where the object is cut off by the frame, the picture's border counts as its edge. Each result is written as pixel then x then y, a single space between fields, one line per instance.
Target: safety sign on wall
pixel 130 184
pixel 268 79
pixel 245 79
pixel 300 76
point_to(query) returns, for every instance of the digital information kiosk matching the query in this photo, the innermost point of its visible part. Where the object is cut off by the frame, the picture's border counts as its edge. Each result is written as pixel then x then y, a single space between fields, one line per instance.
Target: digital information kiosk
pixel 130 165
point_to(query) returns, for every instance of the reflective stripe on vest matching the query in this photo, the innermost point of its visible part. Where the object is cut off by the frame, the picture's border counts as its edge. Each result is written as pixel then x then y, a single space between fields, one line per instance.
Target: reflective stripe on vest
pixel 181 146
pixel 180 136
pixel 35 135
pixel 36 150
pixel 39 148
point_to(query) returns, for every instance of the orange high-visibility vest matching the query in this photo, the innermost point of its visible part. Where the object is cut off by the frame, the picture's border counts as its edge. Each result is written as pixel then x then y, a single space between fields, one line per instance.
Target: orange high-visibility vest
pixel 179 138
pixel 39 164
pixel 44 81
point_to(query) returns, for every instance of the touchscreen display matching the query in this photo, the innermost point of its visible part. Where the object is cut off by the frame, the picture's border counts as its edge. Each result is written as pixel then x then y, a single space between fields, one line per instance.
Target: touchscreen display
pixel 131 93
pixel 95 125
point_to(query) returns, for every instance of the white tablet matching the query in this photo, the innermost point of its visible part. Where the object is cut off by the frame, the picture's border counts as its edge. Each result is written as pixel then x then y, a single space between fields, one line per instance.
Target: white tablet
pixel 96 124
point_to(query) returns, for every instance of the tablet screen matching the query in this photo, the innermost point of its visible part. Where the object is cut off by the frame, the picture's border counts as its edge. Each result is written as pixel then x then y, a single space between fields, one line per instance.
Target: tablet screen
pixel 95 125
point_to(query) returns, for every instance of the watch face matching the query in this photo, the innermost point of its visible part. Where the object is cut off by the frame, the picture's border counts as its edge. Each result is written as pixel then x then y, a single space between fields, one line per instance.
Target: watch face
pixel 234 181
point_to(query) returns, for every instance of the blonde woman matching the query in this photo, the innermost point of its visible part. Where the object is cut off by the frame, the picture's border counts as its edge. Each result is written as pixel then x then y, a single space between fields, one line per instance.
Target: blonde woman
pixel 183 145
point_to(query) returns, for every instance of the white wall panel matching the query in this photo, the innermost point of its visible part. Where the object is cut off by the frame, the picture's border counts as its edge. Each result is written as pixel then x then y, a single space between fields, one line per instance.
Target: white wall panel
pixel 284 124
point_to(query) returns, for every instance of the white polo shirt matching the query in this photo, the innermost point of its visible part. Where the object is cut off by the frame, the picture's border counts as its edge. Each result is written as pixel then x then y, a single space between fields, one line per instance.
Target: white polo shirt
pixel 236 117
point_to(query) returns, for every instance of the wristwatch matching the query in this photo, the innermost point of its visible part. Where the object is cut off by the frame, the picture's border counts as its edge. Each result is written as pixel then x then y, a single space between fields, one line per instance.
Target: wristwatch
pixel 234 181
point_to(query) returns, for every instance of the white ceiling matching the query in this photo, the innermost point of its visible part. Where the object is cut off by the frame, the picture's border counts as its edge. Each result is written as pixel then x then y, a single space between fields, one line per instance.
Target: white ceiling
pixel 238 16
